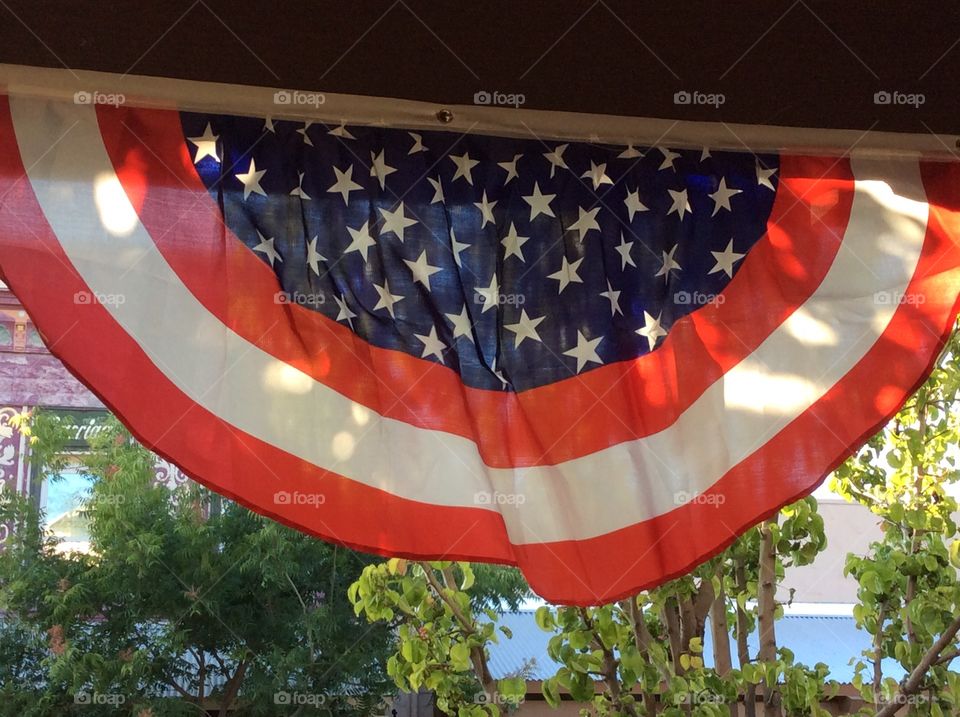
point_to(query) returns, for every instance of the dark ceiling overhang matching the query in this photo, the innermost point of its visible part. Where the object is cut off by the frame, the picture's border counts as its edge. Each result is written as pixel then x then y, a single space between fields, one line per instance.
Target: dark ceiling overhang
pixel 802 63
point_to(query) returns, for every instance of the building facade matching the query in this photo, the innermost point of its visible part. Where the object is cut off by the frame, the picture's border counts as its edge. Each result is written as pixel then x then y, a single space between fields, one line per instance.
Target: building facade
pixel 31 377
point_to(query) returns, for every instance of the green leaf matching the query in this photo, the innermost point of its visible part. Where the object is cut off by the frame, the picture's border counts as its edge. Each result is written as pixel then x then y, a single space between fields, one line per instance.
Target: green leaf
pixel 460 657
pixel 512 688
pixel 871 582
pixel 955 554
pixel 551 692
pixel 468 577
pixel 545 619
pixel 581 687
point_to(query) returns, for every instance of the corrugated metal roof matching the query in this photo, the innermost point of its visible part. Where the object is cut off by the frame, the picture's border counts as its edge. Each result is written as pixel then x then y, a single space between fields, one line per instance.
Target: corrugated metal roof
pixel 833 640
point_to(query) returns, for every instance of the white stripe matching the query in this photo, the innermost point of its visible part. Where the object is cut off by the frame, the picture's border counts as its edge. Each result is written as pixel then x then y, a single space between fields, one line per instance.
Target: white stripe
pixel 580 498
pixel 362 110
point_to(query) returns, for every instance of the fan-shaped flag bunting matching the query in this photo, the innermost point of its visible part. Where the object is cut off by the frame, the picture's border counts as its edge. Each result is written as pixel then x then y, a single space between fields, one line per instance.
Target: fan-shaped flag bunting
pixel 597 361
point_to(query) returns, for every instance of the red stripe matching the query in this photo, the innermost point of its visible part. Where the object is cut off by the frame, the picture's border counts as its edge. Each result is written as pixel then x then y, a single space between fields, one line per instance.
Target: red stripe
pixel 797 459
pixel 96 349
pixel 106 359
pixel 639 397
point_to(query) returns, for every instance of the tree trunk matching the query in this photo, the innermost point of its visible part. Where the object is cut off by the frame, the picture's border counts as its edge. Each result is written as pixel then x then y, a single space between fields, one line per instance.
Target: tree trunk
pixel 478 657
pixel 643 640
pixel 743 648
pixel 720 631
pixel 232 688
pixel 878 656
pixel 767 605
pixel 911 685
pixel 671 619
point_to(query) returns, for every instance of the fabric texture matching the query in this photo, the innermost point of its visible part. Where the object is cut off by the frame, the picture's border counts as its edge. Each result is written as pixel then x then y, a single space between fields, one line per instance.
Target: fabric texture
pixel 598 363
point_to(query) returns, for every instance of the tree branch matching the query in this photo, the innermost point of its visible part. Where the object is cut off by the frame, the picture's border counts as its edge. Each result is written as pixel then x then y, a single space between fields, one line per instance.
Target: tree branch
pixel 766 600
pixel 912 684
pixel 477 655
pixel 878 653
pixel 743 648
pixel 232 688
pixel 610 668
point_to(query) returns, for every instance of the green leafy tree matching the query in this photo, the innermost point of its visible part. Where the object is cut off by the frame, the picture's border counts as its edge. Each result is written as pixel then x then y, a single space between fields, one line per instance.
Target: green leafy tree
pixel 643 655
pixel 909 591
pixel 181 593
pixel 444 620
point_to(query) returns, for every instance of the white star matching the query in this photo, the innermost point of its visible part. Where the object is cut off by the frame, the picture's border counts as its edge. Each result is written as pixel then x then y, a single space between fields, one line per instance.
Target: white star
pixel 614 298
pixel 206 145
pixel 764 175
pixel 556 159
pixel 303 131
pixel 344 184
pixel 539 203
pixel 361 240
pixel 268 125
pixel 722 196
pixel 458 246
pixel 630 152
pixel 417 143
pixel 567 274
pixel 525 328
pixel 266 247
pixel 387 300
pixel 251 180
pixel 652 329
pixel 624 249
pixel 585 351
pixel 421 270
pixel 725 260
pixel 681 204
pixel 510 168
pixel 586 221
pixel 669 264
pixel 668 158
pixel 597 174
pixel 634 204
pixel 395 221
pixel 437 190
pixel 486 210
pixel 380 169
pixel 461 324
pixel 432 346
pixel 298 190
pixel 490 296
pixel 705 153
pixel 465 166
pixel 344 314
pixel 341 131
pixel 513 244
pixel 314 257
